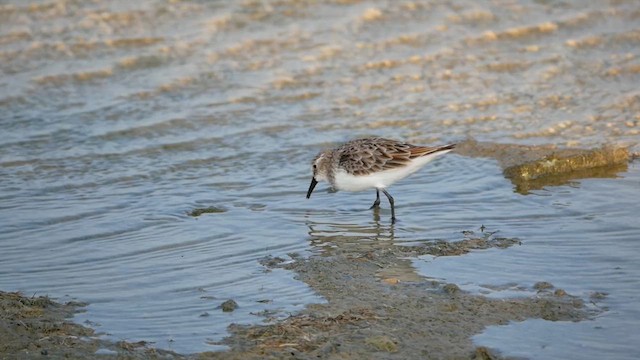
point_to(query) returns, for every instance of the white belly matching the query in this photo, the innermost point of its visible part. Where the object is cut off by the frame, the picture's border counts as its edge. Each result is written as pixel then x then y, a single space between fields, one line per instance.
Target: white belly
pixel 380 180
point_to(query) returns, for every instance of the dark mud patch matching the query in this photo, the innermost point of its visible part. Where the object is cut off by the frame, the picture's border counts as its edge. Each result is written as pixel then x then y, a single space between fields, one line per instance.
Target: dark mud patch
pixel 37 327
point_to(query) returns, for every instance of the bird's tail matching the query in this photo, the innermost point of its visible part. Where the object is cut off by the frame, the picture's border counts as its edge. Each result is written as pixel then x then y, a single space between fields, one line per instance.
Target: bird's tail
pixel 445 147
pixel 420 151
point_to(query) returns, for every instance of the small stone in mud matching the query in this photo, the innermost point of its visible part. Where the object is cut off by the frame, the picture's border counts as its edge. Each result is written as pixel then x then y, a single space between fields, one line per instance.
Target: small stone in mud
pixel 204 314
pixel 210 210
pixel 270 261
pixel 449 307
pixel 229 305
pixel 542 285
pixel 382 343
pixel 391 281
pixel 482 353
pixel 451 289
pixel 127 346
pixel 560 293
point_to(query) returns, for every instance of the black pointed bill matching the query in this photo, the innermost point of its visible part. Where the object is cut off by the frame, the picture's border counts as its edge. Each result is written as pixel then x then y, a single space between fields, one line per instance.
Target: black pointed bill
pixel 314 182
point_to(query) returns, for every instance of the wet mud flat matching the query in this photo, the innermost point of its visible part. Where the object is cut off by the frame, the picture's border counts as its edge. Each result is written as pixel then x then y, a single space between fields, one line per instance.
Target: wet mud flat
pixel 368 314
pixel 33 327
pixel 373 312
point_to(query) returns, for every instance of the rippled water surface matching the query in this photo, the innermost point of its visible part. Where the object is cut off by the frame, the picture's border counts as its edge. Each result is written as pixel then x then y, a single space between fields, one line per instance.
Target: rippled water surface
pixel 120 117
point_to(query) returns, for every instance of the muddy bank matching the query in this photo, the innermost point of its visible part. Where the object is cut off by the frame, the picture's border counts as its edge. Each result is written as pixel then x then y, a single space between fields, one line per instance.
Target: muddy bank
pixel 37 327
pixel 373 312
pixel 534 167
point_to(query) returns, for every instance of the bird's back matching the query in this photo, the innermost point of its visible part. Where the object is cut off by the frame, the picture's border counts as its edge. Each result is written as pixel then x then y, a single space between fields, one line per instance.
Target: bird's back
pixel 365 156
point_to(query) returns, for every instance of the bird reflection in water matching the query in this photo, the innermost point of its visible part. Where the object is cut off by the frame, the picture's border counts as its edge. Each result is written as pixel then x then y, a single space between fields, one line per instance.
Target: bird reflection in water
pixel 364 243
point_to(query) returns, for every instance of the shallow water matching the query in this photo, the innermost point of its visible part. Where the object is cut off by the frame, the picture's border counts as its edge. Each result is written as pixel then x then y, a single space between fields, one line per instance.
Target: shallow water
pixel 581 238
pixel 120 117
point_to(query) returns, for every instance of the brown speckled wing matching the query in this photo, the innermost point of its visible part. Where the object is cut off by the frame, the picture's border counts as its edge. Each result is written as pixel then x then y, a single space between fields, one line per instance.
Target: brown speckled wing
pixel 365 156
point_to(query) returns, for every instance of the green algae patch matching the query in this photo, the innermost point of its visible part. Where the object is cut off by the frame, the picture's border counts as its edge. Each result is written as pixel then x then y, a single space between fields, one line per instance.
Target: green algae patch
pixel 534 167
pixel 561 167
pixel 382 343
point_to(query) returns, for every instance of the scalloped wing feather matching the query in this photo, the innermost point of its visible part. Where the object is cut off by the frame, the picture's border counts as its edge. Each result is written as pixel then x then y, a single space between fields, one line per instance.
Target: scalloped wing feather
pixel 365 156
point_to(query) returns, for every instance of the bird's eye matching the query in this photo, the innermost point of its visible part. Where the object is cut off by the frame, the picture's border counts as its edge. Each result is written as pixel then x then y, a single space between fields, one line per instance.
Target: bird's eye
pixel 314 166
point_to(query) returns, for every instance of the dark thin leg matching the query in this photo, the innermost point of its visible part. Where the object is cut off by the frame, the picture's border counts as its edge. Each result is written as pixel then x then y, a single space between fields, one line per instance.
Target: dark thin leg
pixel 393 210
pixel 377 202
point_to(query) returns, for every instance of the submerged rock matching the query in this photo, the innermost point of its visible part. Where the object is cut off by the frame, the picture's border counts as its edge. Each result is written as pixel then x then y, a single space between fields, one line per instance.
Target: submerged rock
pixel 229 305
pixel 542 285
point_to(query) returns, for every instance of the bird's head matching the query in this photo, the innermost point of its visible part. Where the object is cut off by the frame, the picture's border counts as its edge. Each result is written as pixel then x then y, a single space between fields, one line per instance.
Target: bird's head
pixel 320 170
